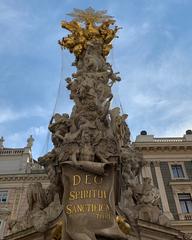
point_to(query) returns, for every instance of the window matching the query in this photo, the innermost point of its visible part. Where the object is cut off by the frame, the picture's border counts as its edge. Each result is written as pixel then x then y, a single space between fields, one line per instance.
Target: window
pixel 3 196
pixel 185 202
pixel 177 171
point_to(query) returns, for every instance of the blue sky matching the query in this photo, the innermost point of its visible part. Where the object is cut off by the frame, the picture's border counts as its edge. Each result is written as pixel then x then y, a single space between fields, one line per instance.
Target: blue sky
pixel 153 54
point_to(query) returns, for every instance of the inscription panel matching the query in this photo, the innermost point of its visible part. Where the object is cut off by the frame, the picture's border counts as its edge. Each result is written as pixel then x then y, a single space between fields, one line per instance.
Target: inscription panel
pixel 89 199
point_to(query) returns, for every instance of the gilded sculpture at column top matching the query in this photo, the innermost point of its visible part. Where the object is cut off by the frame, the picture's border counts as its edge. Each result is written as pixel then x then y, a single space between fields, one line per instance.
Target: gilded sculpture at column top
pixel 88 25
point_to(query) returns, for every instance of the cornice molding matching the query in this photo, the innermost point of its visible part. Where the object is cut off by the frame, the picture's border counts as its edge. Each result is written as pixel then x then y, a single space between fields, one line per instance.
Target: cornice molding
pixel 178 183
pixel 10 151
pixel 19 178
pixel 159 148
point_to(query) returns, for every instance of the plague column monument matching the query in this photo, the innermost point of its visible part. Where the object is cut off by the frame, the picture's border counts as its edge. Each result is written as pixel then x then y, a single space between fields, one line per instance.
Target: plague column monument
pixel 89 142
pixel 94 192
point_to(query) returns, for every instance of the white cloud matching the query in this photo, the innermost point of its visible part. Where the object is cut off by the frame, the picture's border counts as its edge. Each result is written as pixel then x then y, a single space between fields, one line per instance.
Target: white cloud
pixel 7 13
pixel 38 131
pixel 177 110
pixel 9 114
pixel 19 138
pixel 147 101
pixel 130 34
pixel 40 134
pixel 178 129
pixel 16 23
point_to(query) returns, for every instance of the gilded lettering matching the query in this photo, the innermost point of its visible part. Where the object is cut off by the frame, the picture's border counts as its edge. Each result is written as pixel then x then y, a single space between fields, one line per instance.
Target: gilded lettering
pixel 88 207
pixel 78 194
pixel 86 194
pixel 107 207
pixel 72 195
pixel 90 193
pixel 95 207
pixel 76 180
pixel 68 209
pixel 100 194
pixel 80 208
pixel 94 193
pixel 100 207
pixel 98 180
pixel 87 178
pixel 82 194
pixel 104 194
pixel 103 210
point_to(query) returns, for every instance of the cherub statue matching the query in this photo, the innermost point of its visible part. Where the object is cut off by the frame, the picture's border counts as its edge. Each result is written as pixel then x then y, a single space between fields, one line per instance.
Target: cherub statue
pixel 86 150
pixel 59 127
pixel 108 34
pixel 72 26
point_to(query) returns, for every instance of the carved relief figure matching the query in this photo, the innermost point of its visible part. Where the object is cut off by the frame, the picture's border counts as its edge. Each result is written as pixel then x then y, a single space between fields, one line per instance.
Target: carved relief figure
pixel 146 201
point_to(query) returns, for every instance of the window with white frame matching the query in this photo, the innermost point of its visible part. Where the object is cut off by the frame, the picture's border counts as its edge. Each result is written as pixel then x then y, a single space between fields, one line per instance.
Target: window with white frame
pixel 3 196
pixel 185 201
pixel 177 171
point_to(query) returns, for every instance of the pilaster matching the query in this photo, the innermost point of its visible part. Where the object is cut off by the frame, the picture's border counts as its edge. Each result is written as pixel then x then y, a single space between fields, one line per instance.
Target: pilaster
pixel 162 191
pixel 146 172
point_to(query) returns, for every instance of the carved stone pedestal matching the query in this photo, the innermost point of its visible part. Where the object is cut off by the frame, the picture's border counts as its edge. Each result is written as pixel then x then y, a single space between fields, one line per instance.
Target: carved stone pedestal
pixel 89 201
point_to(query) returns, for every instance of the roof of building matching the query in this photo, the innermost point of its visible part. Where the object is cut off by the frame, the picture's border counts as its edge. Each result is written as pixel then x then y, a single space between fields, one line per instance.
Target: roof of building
pixel 151 143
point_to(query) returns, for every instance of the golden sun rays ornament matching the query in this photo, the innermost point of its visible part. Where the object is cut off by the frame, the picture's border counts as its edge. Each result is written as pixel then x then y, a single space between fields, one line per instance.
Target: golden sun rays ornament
pixel 88 27
pixel 89 15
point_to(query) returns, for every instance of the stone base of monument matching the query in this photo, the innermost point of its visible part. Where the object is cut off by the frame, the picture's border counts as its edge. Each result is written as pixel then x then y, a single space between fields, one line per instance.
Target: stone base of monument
pixel 89 210
pixel 148 231
pixel 89 201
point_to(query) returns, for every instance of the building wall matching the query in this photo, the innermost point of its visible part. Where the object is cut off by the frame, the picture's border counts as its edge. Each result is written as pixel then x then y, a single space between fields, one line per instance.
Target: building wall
pixel 12 164
pixel 17 171
pixel 17 185
pixel 161 155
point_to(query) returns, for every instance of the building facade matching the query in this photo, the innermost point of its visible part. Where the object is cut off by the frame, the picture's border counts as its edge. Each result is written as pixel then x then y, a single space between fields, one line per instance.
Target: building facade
pixel 169 165
pixel 17 171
